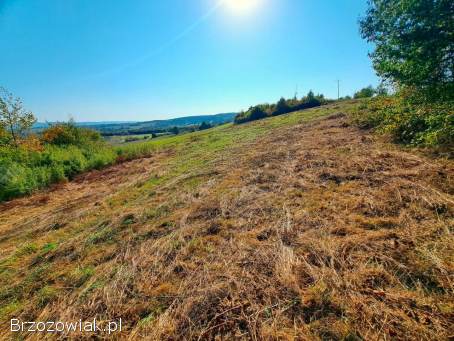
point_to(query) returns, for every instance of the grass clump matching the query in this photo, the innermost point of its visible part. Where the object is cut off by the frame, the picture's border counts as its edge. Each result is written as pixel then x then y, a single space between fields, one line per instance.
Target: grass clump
pixel 81 275
pixel 46 295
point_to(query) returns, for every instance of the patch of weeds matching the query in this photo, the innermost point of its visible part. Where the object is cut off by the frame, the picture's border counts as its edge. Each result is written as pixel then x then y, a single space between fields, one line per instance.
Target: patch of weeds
pixel 128 219
pixel 446 308
pixel 157 212
pixel 8 294
pixel 35 279
pixel 320 303
pixel 155 180
pixel 46 295
pixel 200 244
pixel 167 224
pixel 6 274
pixel 6 265
pixel 377 223
pixel 48 248
pixel 92 287
pixel 26 249
pixel 107 234
pixel 45 250
pixel 176 244
pixel 9 308
pixel 152 315
pixel 80 275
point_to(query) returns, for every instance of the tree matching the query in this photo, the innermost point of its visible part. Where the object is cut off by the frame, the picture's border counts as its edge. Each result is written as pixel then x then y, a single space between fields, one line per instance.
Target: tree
pixel 414 42
pixel 310 96
pixel 205 126
pixel 256 113
pixel 14 119
pixel 282 107
pixel 365 92
pixel 175 130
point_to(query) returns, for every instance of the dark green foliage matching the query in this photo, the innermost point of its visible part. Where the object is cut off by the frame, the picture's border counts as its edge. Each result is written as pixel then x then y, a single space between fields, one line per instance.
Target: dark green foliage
pixel 365 92
pixel 414 43
pixel 254 113
pixel 409 122
pixel 415 52
pixel 283 106
pixel 257 113
pixel 205 126
pixel 175 130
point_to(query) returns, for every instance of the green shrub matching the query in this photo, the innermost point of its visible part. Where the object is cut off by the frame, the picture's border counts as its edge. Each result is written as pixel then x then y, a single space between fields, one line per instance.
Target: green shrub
pixel 408 120
pixel 365 92
pixel 23 171
pixel 64 134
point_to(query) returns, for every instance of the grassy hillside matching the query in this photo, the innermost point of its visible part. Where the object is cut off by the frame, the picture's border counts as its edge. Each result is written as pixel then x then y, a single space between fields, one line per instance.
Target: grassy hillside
pixel 296 226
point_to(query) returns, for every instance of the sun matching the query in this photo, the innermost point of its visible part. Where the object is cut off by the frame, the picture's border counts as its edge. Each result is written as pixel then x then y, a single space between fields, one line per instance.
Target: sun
pixel 241 6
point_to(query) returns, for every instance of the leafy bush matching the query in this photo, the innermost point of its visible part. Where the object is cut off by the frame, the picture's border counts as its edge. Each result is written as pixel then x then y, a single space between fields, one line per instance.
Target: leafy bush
pixel 63 152
pixel 365 92
pixel 69 134
pixel 408 120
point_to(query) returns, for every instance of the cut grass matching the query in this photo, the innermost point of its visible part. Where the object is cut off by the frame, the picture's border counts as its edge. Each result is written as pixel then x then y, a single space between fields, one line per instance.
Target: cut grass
pixel 285 228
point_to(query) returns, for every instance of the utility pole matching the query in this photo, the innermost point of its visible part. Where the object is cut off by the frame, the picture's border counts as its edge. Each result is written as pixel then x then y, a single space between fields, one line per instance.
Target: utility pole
pixel 338 89
pixel 296 91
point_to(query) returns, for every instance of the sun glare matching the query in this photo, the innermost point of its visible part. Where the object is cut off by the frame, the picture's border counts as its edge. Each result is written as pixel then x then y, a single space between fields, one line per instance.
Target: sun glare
pixel 242 6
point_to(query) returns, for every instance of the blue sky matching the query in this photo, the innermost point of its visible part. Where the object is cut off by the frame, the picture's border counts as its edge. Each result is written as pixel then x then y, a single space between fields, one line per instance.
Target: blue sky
pixel 112 60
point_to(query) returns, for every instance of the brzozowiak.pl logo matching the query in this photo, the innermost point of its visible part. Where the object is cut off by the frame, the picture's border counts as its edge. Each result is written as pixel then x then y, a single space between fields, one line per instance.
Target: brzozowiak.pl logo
pixel 60 327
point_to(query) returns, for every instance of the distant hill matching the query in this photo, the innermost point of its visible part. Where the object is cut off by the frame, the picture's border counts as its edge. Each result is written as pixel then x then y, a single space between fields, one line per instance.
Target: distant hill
pixel 41 125
pixel 134 127
pixel 190 120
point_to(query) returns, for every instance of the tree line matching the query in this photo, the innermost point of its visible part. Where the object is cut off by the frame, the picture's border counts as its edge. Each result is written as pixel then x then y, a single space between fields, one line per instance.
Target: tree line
pixel 283 106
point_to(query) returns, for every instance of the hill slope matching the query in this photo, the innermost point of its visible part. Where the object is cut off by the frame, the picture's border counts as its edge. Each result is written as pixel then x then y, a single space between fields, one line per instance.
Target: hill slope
pixel 296 226
pixel 146 126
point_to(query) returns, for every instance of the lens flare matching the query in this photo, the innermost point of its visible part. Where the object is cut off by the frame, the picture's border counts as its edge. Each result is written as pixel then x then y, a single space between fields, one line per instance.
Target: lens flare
pixel 241 6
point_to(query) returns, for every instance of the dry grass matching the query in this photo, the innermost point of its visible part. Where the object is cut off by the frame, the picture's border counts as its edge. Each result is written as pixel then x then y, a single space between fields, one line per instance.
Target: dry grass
pixel 308 231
